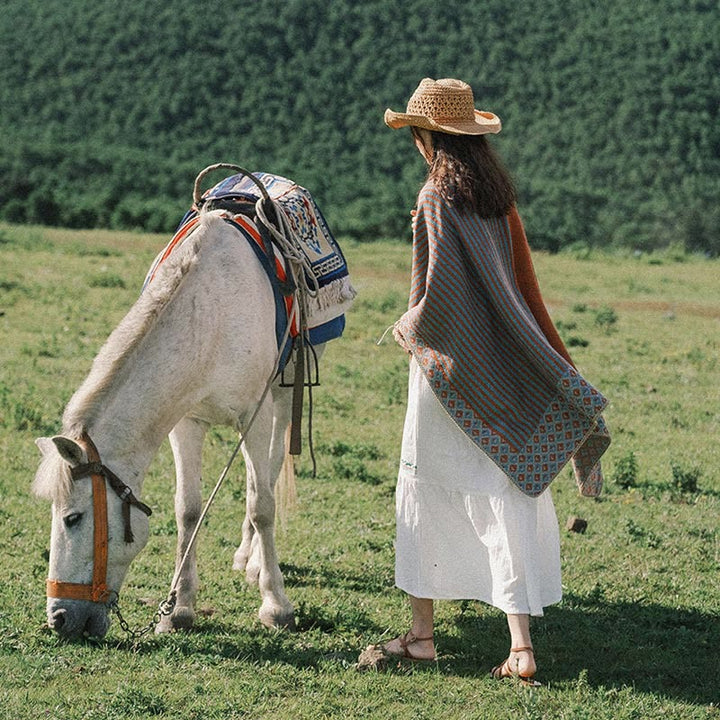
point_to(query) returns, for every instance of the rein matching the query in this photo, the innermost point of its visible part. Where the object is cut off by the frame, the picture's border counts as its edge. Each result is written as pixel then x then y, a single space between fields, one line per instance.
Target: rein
pixel 101 476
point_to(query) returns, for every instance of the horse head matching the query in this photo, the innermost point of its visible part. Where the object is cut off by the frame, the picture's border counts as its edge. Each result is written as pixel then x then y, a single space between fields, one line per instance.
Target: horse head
pixel 91 543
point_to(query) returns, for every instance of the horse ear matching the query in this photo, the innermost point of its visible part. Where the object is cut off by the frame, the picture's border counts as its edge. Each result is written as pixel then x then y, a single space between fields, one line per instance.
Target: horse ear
pixel 45 445
pixel 69 450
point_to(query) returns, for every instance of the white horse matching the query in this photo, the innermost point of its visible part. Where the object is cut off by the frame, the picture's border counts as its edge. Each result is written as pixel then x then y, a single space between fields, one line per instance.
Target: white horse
pixel 196 349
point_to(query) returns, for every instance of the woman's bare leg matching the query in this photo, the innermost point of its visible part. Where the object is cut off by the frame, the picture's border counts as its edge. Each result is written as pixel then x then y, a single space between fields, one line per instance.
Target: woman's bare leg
pixel 521 662
pixel 419 641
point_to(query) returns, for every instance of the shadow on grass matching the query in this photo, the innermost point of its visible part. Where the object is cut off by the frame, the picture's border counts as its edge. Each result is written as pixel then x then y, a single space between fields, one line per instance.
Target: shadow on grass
pixel 325 575
pixel 652 648
pixel 304 648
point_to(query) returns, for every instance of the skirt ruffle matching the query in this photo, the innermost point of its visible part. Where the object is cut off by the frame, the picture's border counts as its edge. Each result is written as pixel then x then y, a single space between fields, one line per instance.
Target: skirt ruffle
pixel 464 531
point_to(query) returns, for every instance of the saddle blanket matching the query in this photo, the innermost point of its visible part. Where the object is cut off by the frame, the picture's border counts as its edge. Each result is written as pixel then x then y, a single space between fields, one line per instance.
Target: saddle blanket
pixel 326 310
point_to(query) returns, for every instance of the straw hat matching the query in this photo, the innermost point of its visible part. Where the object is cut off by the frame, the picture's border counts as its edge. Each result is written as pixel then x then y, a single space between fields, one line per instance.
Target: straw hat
pixel 445 105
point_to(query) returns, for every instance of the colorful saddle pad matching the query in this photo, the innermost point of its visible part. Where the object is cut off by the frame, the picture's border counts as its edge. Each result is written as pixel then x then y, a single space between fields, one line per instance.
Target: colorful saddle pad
pixel 326 311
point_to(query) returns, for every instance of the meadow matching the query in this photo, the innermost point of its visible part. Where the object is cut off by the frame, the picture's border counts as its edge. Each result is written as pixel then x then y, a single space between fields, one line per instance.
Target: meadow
pixel 636 635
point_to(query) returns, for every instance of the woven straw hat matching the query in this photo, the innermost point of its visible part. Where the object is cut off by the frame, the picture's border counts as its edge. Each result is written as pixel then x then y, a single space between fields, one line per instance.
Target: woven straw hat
pixel 445 105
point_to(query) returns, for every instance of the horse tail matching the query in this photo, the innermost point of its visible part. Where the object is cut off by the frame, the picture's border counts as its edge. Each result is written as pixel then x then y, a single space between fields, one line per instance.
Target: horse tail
pixel 285 488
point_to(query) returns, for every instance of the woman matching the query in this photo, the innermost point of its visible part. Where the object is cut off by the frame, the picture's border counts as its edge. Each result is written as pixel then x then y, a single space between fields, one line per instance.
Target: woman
pixel 495 405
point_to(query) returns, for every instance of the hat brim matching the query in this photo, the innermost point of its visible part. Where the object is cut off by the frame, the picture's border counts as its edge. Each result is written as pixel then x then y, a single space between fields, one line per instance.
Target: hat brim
pixel 484 123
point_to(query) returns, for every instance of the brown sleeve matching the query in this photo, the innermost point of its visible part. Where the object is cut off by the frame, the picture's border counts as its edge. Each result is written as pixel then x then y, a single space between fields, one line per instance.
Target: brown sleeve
pixel 528 284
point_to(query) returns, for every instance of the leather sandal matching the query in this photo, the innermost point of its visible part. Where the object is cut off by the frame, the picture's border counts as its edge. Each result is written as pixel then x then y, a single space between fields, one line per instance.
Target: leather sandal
pixel 405 640
pixel 500 672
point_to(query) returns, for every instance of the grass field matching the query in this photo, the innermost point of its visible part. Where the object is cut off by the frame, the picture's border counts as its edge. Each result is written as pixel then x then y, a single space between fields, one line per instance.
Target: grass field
pixel 637 634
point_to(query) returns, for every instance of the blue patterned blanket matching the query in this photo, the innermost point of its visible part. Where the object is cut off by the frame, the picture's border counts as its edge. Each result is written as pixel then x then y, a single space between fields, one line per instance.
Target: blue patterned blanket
pixel 308 223
pixel 326 311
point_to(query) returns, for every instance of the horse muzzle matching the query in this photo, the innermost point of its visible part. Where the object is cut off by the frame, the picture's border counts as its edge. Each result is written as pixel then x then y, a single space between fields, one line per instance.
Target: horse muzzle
pixel 73 619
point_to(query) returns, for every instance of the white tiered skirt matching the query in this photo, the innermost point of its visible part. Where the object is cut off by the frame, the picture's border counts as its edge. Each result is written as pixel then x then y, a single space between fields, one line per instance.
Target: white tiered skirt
pixel 464 531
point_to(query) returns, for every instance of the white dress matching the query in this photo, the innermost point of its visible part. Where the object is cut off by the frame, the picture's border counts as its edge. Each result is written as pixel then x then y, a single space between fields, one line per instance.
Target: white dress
pixel 464 531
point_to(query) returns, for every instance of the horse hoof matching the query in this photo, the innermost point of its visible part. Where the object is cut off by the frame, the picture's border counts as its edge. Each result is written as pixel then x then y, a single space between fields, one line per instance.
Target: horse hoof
pixel 278 619
pixel 182 618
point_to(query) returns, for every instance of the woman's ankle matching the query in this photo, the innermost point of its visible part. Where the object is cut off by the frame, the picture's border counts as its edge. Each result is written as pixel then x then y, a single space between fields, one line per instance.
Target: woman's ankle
pixel 522 661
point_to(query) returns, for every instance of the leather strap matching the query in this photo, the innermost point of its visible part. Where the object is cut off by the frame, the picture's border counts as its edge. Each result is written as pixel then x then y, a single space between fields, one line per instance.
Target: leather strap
pixel 122 490
pixel 98 591
pixel 297 395
pixel 101 477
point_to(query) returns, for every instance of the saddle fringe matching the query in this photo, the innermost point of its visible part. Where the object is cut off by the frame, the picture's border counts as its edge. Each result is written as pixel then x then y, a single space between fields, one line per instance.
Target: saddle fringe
pixel 330 301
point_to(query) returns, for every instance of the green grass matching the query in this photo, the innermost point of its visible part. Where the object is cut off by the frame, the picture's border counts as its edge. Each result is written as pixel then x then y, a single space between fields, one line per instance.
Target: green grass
pixel 636 635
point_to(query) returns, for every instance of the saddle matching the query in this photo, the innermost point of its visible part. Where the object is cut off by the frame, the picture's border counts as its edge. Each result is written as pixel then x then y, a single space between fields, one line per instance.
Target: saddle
pixel 237 197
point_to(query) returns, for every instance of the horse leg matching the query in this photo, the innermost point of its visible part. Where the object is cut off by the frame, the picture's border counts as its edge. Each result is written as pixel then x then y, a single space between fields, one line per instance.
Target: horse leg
pixel 276 610
pixel 186 440
pixel 247 556
pixel 241 558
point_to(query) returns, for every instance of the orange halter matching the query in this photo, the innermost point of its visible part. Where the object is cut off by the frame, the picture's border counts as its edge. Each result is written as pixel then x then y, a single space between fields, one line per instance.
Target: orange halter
pixel 98 591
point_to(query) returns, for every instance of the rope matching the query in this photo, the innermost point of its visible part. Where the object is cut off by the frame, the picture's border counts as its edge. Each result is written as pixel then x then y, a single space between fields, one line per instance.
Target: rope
pixel 290 247
pixel 226 469
pixel 292 250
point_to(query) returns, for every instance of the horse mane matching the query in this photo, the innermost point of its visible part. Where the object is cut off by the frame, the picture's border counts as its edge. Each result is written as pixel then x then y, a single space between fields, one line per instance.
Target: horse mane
pixel 113 356
pixel 128 335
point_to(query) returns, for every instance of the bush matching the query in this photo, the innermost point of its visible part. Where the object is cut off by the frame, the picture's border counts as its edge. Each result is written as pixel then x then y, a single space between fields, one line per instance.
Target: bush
pixel 352 468
pixel 605 318
pixel 15 211
pixel 149 214
pixel 641 536
pixel 82 215
pixel 107 281
pixel 685 480
pixel 626 471
pixel 42 209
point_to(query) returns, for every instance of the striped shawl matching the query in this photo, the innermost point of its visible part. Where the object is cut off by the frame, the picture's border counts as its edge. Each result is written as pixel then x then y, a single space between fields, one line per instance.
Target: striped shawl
pixel 481 334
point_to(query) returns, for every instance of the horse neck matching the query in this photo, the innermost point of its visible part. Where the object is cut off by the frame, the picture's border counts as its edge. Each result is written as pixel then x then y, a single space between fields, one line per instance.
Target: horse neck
pixel 150 393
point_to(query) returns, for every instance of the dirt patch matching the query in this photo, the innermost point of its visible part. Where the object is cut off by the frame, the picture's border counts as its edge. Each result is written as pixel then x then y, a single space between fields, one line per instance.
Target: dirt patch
pixel 659 306
pixel 680 308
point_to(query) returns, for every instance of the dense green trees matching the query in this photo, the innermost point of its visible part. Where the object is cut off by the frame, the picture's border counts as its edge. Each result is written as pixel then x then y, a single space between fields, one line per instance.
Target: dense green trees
pixel 610 110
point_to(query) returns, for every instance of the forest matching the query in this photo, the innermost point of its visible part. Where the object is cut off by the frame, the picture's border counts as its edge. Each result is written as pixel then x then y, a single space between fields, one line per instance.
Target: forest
pixel 610 115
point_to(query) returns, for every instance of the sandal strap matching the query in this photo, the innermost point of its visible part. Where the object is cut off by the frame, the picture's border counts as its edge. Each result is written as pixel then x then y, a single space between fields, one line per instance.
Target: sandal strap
pixel 502 671
pixel 410 637
pixel 522 649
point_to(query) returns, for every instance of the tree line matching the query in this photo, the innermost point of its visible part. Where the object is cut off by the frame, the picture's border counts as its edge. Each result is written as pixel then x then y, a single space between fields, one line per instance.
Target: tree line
pixel 610 113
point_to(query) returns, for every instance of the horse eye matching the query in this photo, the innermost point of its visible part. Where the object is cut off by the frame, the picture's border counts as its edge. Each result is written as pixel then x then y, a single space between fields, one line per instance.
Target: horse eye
pixel 72 520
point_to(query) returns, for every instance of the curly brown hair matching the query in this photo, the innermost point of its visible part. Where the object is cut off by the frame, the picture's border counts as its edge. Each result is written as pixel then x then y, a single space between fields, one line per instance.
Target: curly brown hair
pixel 469 173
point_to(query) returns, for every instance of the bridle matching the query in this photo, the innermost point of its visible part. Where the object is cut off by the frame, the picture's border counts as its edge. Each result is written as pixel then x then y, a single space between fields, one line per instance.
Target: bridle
pixel 101 477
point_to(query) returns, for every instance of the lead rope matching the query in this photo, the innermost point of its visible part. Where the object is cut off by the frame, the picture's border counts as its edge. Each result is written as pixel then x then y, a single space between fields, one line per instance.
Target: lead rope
pixel 168 605
pixel 297 261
